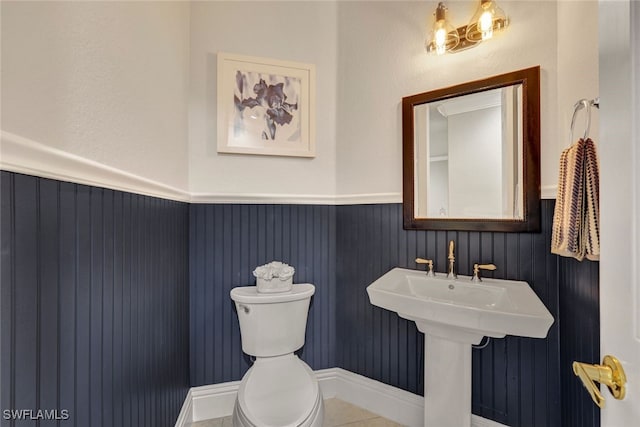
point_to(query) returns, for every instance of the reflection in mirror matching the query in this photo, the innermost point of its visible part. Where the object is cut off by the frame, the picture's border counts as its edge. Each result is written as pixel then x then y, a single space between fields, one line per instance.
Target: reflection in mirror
pixel 468 154
pixel 471 155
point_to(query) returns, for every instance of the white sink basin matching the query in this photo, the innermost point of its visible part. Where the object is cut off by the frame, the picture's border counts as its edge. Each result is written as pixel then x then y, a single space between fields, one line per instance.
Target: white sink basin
pixel 492 308
pixel 453 314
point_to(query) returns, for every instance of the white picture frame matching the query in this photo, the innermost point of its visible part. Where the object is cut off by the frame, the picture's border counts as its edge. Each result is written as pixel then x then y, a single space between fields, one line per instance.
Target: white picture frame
pixel 265 106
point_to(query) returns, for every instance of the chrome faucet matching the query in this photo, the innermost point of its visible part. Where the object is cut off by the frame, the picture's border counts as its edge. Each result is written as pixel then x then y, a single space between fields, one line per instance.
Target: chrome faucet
pixel 452 259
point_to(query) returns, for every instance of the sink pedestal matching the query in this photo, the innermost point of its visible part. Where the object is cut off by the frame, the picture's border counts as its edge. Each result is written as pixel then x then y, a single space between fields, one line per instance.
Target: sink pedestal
pixel 447 382
pixel 447 374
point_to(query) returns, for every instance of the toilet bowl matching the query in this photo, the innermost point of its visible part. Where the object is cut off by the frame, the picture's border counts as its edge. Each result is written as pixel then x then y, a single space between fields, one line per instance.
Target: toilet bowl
pixel 279 390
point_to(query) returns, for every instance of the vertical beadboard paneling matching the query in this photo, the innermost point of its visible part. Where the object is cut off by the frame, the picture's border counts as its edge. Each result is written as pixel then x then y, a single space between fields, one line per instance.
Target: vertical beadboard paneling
pixel 226 243
pixel 94 303
pixel 580 313
pixel 26 292
pixel 67 295
pixel 7 294
pixel 515 380
pixel 48 301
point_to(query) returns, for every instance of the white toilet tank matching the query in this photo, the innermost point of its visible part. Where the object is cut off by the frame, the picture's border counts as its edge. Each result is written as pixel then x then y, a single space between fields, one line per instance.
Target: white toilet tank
pixel 272 324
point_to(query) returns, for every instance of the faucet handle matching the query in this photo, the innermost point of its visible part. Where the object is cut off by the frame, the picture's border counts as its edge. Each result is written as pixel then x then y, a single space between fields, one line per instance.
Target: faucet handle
pixel 476 270
pixel 429 263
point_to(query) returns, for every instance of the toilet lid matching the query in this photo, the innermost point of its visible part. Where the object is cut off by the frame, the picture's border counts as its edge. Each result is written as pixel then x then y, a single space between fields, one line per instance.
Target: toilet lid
pixel 279 391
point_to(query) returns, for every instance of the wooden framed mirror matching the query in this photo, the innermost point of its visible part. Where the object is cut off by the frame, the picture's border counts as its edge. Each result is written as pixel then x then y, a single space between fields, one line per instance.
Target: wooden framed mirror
pixel 471 155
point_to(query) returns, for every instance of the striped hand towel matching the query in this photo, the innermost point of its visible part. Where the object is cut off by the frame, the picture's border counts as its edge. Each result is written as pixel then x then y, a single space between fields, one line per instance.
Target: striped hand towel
pixel 591 228
pixel 576 229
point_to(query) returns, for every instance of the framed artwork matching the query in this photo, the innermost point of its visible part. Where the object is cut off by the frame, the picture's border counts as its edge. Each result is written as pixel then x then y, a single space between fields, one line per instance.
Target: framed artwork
pixel 265 106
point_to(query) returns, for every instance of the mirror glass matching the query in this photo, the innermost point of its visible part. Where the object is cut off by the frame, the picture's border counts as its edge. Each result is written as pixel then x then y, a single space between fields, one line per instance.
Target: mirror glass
pixel 468 154
pixel 471 155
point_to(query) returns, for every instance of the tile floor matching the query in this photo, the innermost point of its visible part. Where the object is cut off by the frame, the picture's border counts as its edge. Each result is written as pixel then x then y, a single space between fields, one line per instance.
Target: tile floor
pixel 336 413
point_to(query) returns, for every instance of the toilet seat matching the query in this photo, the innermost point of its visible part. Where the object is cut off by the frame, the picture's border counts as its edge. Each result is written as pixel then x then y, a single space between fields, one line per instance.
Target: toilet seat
pixel 279 391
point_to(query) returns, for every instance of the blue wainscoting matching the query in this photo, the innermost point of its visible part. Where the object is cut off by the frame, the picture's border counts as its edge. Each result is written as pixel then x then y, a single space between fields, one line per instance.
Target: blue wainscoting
pixel 226 243
pixel 94 303
pixel 110 300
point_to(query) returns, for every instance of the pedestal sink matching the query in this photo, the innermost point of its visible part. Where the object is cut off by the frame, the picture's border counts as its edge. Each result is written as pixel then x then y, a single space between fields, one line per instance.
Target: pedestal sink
pixel 453 315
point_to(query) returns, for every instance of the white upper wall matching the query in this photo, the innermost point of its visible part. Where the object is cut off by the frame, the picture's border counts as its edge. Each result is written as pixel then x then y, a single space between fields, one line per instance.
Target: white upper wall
pixel 107 81
pixel 297 31
pixel 133 84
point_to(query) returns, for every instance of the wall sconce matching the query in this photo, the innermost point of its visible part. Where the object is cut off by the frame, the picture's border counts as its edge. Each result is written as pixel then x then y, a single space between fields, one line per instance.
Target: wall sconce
pixel 488 19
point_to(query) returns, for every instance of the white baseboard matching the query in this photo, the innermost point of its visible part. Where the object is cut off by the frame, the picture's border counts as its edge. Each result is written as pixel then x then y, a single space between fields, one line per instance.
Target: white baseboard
pixel 477 421
pixel 387 401
pixel 400 406
pixel 185 417
pixel 214 401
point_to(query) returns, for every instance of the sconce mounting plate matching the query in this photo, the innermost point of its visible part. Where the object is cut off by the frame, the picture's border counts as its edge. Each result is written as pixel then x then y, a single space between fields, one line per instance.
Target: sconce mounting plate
pixel 467 43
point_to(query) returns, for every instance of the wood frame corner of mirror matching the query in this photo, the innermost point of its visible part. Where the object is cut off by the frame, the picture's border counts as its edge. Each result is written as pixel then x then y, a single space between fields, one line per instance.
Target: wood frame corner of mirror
pixel 518 160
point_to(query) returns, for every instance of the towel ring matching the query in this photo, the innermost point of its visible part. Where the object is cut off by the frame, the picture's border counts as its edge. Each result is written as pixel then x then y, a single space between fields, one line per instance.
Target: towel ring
pixel 583 103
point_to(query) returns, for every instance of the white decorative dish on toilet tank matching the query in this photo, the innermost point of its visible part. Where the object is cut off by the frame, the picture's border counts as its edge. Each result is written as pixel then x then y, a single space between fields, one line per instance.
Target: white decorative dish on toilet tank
pixel 274 277
pixel 454 314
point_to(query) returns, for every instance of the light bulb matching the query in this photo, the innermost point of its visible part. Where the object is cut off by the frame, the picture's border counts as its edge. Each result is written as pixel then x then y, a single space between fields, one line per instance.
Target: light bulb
pixel 443 36
pixel 485 25
pixel 440 40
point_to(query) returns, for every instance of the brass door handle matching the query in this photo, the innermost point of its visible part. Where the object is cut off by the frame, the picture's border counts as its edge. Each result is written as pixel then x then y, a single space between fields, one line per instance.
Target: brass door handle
pixel 610 373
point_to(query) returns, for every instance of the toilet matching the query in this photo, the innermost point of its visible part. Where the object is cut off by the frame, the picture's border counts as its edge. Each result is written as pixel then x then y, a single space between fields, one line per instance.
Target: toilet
pixel 279 390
